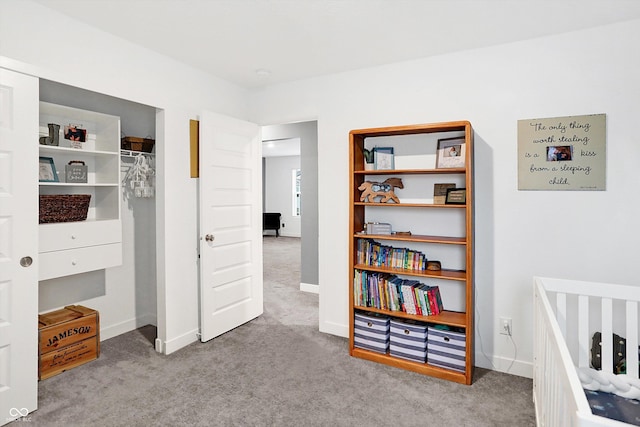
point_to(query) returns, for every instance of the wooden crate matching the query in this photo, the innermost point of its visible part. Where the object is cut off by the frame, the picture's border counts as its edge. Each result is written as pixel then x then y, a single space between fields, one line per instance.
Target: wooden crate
pixel 68 337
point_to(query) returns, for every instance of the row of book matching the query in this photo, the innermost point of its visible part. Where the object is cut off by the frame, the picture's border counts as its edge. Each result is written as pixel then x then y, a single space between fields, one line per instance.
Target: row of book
pixel 370 252
pixel 390 292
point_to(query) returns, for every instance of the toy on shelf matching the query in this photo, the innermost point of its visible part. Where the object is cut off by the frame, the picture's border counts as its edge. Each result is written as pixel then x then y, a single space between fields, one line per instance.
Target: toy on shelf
pixel 384 190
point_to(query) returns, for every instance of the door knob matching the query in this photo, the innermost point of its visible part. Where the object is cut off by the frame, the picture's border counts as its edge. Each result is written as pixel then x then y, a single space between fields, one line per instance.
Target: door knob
pixel 209 237
pixel 26 261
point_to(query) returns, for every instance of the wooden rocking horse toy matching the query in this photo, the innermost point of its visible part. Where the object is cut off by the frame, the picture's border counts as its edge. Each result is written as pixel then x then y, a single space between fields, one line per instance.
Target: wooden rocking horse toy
pixel 384 190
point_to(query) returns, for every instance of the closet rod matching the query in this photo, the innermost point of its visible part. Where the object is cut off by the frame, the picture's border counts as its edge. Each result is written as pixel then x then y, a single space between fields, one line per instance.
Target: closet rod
pixel 129 153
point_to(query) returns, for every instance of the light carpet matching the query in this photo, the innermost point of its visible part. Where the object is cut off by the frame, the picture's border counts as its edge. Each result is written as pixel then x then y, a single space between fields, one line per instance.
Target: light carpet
pixel 276 370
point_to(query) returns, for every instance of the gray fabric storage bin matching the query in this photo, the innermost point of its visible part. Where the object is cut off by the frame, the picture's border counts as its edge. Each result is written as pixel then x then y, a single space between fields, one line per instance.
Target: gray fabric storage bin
pixel 446 349
pixel 408 340
pixel 371 332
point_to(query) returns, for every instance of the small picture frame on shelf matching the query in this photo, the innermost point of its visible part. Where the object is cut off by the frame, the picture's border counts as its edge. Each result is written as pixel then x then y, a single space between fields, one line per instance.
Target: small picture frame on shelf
pixel 383 158
pixel 76 134
pixel 47 170
pixel 451 153
pixel 456 196
pixel 440 192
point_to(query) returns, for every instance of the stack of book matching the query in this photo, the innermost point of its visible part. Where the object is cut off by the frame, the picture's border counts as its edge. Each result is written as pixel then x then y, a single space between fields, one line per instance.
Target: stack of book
pixel 390 292
pixel 375 254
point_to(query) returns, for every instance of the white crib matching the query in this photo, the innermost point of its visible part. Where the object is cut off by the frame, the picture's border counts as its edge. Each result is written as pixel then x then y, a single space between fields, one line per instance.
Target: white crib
pixel 566 313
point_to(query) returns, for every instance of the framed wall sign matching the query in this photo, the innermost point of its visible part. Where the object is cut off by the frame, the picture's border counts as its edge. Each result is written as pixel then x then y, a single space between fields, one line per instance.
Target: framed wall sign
pixel 562 153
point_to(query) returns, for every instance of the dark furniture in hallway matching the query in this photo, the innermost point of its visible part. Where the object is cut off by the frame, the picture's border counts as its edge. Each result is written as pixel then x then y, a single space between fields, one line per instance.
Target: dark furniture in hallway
pixel 271 221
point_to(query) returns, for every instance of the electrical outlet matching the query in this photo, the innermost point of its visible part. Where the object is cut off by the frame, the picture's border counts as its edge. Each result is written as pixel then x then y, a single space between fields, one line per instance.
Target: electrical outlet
pixel 504 326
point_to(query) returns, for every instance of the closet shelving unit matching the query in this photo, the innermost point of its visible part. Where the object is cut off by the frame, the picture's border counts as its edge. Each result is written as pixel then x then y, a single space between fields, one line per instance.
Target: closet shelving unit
pixel 68 248
pixel 449 229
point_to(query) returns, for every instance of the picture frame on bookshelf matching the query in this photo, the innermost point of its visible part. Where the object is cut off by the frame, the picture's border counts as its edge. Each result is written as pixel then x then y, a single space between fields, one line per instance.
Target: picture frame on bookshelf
pixel 440 192
pixel 451 153
pixel 383 158
pixel 76 134
pixel 47 170
pixel 456 196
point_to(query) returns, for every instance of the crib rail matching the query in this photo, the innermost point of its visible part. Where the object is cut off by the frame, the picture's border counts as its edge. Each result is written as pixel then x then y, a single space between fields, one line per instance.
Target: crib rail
pixel 558 395
pixel 556 386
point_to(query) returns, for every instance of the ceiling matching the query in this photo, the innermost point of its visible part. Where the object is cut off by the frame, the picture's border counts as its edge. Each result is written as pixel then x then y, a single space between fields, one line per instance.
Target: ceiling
pixel 296 39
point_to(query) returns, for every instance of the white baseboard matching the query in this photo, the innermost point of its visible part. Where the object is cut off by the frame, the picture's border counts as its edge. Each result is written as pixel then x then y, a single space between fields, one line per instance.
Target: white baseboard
pixel 506 365
pixel 110 331
pixel 179 342
pixel 308 287
pixel 334 329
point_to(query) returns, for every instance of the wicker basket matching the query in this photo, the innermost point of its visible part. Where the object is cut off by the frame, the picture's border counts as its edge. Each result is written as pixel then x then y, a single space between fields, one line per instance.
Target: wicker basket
pixel 64 207
pixel 137 144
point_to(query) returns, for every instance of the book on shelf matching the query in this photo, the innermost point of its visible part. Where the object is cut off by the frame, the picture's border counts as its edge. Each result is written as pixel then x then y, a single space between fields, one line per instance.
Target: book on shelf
pixel 389 292
pixel 370 252
pixel 437 302
pixel 420 293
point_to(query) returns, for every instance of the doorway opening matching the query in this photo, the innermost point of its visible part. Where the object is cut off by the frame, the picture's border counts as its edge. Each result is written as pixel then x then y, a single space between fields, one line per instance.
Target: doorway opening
pixel 286 149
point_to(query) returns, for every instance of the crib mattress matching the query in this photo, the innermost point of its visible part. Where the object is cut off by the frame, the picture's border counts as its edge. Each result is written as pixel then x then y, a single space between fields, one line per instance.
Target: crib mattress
pixel 612 406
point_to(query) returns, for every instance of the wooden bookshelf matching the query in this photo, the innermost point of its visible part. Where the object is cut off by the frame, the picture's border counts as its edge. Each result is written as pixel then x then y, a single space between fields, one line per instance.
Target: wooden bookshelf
pixel 458 279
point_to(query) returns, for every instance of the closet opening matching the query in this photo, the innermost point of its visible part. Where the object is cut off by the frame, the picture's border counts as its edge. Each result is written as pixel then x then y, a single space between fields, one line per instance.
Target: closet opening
pixel 125 295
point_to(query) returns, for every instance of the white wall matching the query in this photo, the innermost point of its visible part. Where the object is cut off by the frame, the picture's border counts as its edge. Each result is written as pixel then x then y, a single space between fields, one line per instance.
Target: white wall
pixel 37 40
pixel 584 72
pixel 278 192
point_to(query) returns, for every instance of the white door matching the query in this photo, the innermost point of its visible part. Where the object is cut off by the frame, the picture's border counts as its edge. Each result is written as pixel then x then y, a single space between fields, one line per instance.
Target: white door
pixel 230 224
pixel 18 245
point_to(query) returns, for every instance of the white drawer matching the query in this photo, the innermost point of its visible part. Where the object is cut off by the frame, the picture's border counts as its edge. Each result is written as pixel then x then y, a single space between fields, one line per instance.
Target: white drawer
pixel 75 261
pixel 69 235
